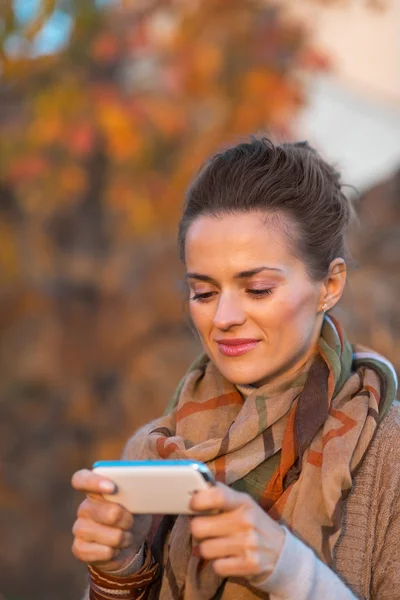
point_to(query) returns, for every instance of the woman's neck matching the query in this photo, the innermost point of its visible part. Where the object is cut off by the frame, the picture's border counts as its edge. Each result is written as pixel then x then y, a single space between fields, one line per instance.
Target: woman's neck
pixel 278 383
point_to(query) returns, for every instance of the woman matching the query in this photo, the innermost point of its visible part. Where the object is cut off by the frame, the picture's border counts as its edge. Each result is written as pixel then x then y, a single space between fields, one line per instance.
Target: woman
pixel 295 423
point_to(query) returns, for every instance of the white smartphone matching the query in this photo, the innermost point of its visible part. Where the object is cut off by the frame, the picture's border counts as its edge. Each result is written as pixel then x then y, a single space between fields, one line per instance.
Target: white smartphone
pixel 155 486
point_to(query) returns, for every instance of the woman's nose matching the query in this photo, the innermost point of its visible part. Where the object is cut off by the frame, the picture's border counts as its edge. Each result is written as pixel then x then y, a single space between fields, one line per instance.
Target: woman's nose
pixel 229 312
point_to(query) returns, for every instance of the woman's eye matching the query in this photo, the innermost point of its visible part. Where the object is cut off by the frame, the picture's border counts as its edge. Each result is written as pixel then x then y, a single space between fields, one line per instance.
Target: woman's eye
pixel 260 293
pixel 202 297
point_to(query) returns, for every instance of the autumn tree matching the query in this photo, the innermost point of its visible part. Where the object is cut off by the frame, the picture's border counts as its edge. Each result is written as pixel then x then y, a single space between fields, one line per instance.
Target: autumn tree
pixel 98 142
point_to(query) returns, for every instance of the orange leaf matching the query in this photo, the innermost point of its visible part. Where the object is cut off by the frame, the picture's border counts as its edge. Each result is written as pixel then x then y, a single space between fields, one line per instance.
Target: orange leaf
pixel 105 48
pixel 81 139
pixel 27 168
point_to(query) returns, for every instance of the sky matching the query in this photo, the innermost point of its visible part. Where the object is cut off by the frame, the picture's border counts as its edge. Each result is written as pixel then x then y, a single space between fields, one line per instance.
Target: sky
pixel 53 36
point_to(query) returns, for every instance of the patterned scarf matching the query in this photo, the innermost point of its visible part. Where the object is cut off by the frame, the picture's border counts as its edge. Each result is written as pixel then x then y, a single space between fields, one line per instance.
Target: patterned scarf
pixel 294 449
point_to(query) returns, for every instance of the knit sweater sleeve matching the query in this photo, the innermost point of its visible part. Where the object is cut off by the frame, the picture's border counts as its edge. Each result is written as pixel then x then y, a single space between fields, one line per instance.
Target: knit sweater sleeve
pixel 386 577
pixel 386 505
pixel 368 555
pixel 300 575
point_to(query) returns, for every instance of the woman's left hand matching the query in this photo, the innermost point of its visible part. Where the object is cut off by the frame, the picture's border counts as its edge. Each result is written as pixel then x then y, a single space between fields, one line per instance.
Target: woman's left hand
pixel 241 540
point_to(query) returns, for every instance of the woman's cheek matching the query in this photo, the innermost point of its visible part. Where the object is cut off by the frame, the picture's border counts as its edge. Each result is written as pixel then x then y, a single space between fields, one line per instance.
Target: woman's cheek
pixel 201 320
pixel 281 322
pixel 274 312
pixel 292 307
pixel 294 320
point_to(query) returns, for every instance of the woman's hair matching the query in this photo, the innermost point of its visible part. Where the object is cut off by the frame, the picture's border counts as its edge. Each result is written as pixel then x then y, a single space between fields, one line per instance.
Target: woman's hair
pixel 282 180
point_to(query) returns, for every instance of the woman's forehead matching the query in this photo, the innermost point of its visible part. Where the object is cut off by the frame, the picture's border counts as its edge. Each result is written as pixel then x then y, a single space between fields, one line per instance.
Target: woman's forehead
pixel 238 243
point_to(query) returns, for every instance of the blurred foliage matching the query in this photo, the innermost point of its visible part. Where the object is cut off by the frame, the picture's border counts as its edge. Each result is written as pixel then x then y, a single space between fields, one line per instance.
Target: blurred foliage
pixel 117 123
pixel 98 142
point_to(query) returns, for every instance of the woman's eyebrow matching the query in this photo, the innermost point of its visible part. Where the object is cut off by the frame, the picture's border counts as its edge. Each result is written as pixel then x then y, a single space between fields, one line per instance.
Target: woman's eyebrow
pixel 200 277
pixel 251 272
pixel 240 275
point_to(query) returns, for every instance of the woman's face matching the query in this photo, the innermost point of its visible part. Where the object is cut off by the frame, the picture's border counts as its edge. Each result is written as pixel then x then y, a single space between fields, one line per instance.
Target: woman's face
pixel 257 312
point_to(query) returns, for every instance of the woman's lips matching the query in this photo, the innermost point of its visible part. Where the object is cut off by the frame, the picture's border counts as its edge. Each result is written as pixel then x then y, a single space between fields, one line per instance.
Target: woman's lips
pixel 236 347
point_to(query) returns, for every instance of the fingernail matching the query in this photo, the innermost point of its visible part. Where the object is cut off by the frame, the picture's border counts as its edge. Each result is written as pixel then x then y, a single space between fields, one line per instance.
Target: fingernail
pixel 107 486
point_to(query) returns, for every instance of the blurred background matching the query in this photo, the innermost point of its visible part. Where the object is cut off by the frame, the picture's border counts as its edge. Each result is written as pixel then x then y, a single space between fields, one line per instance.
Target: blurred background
pixel 107 109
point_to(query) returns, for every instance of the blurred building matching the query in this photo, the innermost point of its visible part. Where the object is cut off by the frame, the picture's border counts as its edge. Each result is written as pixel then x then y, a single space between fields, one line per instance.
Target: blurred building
pixel 353 117
pixel 353 113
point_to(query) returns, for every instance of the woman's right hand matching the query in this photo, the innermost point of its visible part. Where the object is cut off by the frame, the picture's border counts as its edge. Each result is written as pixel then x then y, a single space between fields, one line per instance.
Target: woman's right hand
pixel 106 535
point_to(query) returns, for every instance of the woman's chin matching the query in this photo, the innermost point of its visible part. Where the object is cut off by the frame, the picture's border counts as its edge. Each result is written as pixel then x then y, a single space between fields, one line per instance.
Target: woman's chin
pixel 239 376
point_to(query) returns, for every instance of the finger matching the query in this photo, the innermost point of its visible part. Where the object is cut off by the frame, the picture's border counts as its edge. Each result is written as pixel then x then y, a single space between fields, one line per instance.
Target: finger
pixel 102 534
pixel 92 553
pixel 229 546
pixel 106 513
pixel 222 525
pixel 236 566
pixel 219 497
pixel 87 481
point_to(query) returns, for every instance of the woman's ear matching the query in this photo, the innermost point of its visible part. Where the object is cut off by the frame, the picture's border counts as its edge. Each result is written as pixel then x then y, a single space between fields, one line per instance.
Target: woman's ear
pixel 333 287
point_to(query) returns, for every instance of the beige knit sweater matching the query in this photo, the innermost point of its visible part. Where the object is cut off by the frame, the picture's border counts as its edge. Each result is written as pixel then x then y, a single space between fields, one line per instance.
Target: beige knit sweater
pixel 368 552
pixel 367 556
